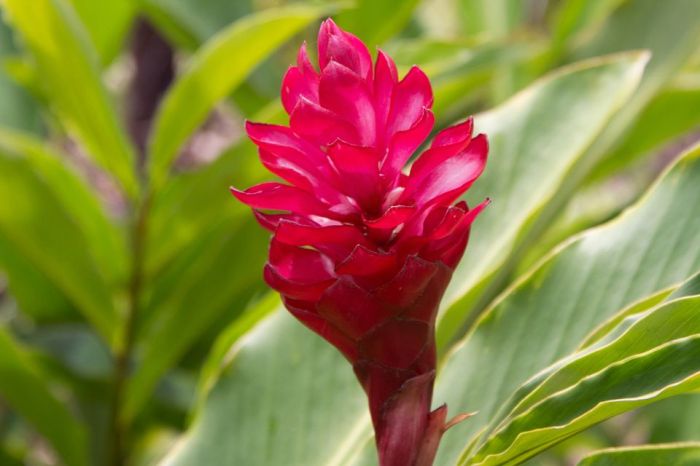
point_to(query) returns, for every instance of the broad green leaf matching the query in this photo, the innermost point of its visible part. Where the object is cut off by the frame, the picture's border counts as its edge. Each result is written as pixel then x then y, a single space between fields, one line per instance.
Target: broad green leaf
pixel 376 21
pixel 673 420
pixel 676 454
pixel 637 307
pixel 654 328
pixel 70 77
pixel 536 140
pixel 641 24
pixel 217 68
pixel 107 22
pixel 229 336
pixel 689 287
pixel 544 317
pixel 192 202
pixel 668 116
pixel 25 389
pixel 212 280
pixel 104 240
pixel 284 396
pixel 669 370
pixel 38 227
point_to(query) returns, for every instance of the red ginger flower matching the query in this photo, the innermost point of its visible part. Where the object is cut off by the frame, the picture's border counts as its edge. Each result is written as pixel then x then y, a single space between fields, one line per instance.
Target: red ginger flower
pixel 362 252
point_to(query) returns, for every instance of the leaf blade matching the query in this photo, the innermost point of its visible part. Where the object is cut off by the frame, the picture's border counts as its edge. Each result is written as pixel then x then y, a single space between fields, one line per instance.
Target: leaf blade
pixel 211 76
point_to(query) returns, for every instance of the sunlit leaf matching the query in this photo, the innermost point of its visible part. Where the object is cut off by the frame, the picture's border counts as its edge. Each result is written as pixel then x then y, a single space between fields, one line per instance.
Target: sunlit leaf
pixel 70 78
pixel 547 314
pixel 536 140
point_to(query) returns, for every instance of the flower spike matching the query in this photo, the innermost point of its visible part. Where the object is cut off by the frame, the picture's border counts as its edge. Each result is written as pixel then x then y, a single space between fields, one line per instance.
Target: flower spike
pixel 362 252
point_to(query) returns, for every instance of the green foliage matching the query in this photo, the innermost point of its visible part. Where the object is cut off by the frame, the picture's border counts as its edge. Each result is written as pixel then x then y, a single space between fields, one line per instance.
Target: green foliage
pixel 65 65
pixel 214 72
pixel 25 389
pixel 136 328
pixel 680 454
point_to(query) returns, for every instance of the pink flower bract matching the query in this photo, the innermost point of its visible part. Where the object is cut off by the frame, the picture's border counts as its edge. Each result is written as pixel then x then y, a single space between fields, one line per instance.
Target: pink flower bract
pixel 362 252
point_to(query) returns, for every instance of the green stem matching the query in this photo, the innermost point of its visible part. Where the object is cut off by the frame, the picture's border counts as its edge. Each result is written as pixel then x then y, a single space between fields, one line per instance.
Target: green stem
pixel 119 426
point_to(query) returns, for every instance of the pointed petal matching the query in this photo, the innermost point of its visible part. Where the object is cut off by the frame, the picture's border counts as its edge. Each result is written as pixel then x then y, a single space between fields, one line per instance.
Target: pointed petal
pixel 347 94
pixel 269 221
pixel 336 241
pixel 296 85
pixel 343 47
pixel 393 217
pixel 460 133
pixel 448 244
pixel 278 196
pixel 404 143
pixel 358 169
pixel 385 80
pixel 304 64
pixel 412 94
pixel 444 176
pixel 282 141
pixel 319 125
pixel 298 273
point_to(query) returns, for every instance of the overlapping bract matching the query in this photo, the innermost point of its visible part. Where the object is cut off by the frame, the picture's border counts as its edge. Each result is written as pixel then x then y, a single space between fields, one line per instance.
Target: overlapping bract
pixel 361 252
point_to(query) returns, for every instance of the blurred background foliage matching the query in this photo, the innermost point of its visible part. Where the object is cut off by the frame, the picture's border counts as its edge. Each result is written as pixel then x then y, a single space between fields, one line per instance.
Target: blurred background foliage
pixel 125 266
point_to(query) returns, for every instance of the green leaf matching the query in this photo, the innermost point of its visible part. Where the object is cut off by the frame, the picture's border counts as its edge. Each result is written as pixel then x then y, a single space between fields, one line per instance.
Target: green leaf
pixel 669 370
pixel 212 280
pixel 107 22
pixel 284 396
pixel 550 124
pixel 643 333
pixel 193 201
pixel 495 20
pixel 673 420
pixel 193 20
pixel 491 18
pixel 104 239
pixel 637 307
pixel 376 21
pixel 668 116
pixel 70 77
pixel 458 69
pixel 230 335
pixel 641 24
pixel 573 18
pixel 58 253
pixel 676 454
pixel 24 388
pixel 546 315
pixel 217 68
